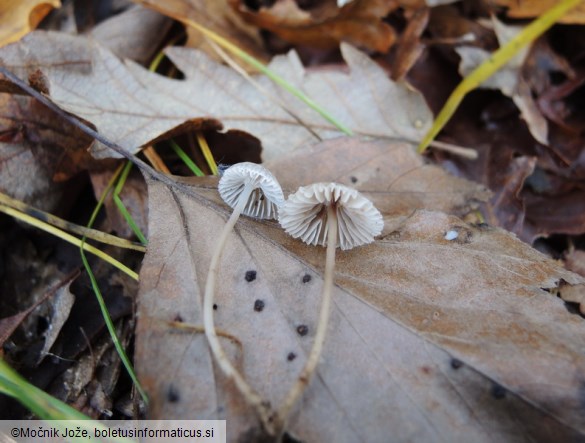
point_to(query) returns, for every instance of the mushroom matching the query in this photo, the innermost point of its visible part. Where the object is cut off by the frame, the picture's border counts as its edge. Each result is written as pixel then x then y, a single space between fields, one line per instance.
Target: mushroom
pixel 252 190
pixel 331 215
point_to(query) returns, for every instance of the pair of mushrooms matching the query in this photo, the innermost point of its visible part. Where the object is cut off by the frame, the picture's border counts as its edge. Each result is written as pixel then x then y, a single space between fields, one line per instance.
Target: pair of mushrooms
pixel 326 214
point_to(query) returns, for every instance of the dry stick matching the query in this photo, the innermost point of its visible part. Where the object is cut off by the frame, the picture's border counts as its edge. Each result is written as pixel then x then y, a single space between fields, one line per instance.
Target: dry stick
pixel 262 408
pixel 311 364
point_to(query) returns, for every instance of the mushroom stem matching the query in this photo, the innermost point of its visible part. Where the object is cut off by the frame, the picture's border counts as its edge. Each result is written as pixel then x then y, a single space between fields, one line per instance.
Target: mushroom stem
pixel 311 364
pixel 217 351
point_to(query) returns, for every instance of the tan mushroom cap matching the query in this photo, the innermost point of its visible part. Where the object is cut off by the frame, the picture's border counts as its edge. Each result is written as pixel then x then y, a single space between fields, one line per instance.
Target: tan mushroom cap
pixel 266 196
pixel 304 215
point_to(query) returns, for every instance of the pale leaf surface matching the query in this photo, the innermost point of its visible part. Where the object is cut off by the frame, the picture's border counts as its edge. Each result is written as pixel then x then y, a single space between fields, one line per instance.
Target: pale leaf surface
pixel 430 339
pixel 132 106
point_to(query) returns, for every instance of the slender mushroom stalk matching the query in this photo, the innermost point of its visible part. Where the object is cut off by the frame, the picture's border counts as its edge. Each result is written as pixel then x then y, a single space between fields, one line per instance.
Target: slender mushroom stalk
pixel 350 217
pixel 251 190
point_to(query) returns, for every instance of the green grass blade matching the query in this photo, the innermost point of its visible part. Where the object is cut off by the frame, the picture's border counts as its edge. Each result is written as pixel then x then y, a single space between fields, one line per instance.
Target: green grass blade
pixel 34 399
pixel 267 72
pixel 122 208
pixel 183 156
pixel 495 62
pixel 108 320
pixel 19 215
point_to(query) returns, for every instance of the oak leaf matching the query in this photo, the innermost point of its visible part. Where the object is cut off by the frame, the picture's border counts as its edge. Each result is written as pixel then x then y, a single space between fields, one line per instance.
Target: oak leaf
pixel 133 107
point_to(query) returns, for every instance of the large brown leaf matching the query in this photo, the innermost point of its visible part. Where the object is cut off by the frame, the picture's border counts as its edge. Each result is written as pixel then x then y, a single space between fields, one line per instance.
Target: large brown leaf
pixel 457 340
pixel 132 106
pixel 19 18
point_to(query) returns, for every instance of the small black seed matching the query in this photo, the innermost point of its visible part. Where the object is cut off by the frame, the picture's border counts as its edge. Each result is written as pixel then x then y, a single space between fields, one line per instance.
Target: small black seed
pixel 303 330
pixel 258 306
pixel 250 276
pixel 353 179
pixel 214 307
pixel 291 356
pixel 498 392
pixel 178 318
pixel 456 363
pixel 173 395
pixel 306 278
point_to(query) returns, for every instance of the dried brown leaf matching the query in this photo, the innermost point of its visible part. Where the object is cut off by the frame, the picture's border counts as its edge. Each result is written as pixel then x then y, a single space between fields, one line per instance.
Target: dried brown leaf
pixel 61 307
pixel 575 261
pixel 535 8
pixel 19 18
pixel 409 47
pixel 358 22
pixel 508 79
pixel 428 336
pixel 217 16
pixel 38 151
pixel 133 107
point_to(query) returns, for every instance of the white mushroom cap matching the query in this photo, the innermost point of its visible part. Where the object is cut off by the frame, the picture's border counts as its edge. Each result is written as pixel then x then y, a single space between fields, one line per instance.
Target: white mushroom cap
pixel 304 215
pixel 266 196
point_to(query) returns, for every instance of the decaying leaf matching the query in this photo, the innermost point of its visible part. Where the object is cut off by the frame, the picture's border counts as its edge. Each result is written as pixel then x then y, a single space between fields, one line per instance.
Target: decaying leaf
pixel 38 151
pixel 61 307
pixel 508 79
pixel 133 107
pixel 409 47
pixel 431 334
pixel 358 22
pixel 217 16
pixel 534 8
pixel 9 324
pixel 19 18
pixel 130 34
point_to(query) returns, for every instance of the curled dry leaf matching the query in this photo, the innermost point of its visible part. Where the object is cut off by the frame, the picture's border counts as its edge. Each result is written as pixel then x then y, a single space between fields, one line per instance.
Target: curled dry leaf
pixel 132 106
pixel 439 333
pixel 61 308
pixel 508 79
pixel 358 22
pixel 217 16
pixel 535 8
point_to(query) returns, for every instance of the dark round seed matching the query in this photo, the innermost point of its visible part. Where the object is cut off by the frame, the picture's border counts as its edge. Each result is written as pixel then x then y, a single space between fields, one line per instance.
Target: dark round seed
pixel 250 276
pixel 259 305
pixel 302 330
